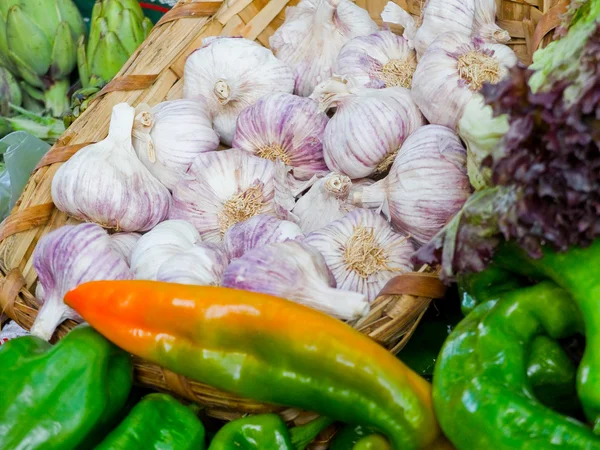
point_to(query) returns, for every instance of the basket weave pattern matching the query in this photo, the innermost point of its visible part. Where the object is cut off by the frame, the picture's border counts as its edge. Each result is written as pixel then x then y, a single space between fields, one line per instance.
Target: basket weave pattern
pixel 154 74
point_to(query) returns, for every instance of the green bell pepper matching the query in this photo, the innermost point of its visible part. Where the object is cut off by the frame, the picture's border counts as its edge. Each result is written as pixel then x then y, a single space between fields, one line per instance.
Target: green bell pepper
pixel 481 391
pixel 359 438
pixel 61 397
pixel 157 422
pixel 264 431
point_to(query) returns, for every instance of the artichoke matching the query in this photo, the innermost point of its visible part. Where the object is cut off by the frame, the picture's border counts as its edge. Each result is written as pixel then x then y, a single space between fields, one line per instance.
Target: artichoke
pixel 38 44
pixel 10 92
pixel 117 29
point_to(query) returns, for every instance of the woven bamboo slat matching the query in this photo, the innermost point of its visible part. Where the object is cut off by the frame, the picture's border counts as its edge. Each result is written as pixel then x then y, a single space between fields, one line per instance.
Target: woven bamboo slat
pixel 154 74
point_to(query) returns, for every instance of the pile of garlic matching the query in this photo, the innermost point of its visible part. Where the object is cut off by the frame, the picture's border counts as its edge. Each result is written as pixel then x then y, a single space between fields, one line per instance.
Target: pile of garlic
pixel 341 158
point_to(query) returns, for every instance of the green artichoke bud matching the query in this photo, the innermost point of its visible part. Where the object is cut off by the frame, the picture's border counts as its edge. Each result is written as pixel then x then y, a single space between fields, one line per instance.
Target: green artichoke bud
pixel 38 44
pixel 10 92
pixel 45 128
pixel 117 29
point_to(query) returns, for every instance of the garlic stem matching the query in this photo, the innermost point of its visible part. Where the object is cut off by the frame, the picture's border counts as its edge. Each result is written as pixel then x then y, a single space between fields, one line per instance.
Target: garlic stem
pixel 121 124
pixel 51 314
pixel 222 91
pixel 372 197
pixel 345 305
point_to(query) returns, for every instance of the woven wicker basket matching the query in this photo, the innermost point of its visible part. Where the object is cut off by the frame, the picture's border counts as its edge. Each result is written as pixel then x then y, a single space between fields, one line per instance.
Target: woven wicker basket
pixel 154 74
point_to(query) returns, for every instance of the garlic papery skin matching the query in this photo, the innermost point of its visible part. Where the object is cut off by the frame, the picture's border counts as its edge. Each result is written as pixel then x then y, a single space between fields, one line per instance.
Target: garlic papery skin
pixel 258 231
pixel 167 239
pixel 484 23
pixel 168 137
pixel 312 36
pixel 107 184
pixel 362 251
pixel 368 128
pixel 452 70
pixel 437 17
pixel 286 127
pixel 202 265
pixel 427 183
pixel 325 201
pixel 225 188
pixel 66 258
pixel 124 243
pixel 297 272
pixel 379 60
pixel 232 74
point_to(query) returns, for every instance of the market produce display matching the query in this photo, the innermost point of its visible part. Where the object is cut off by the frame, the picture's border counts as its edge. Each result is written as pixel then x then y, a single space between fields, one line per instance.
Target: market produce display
pixel 234 238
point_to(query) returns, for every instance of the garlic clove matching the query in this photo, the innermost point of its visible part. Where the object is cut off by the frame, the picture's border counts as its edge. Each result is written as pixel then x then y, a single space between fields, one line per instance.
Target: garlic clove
pixel 124 243
pixel 258 231
pixel 66 258
pixel 379 60
pixel 204 265
pixel 326 201
pixel 368 128
pixel 107 184
pixel 168 137
pixel 427 184
pixel 232 74
pixel 452 70
pixel 167 239
pixel 286 127
pixel 325 25
pixel 226 187
pixel 362 251
pixel 297 272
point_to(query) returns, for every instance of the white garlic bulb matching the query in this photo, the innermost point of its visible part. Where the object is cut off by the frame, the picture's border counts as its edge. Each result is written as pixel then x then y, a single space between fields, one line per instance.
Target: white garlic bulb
pixel 232 74
pixel 368 128
pixel 64 259
pixel 286 127
pixel 297 272
pixel 256 232
pixel 438 17
pixel 452 70
pixel 106 183
pixel 362 251
pixel 427 184
pixel 169 136
pixel 224 188
pixel 124 244
pixel 312 36
pixel 326 201
pixel 484 23
pixel 204 265
pixel 379 60
pixel 166 240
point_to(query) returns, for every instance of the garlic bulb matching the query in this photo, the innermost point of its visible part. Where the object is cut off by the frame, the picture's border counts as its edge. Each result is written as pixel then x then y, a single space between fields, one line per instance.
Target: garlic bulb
pixel 286 127
pixel 106 183
pixel 169 136
pixel 452 70
pixel 326 201
pixel 204 264
pixel 368 128
pixel 226 187
pixel 312 36
pixel 297 272
pixel 427 183
pixel 232 74
pixel 256 232
pixel 437 17
pixel 362 251
pixel 484 24
pixel 382 59
pixel 124 244
pixel 166 240
pixel 66 258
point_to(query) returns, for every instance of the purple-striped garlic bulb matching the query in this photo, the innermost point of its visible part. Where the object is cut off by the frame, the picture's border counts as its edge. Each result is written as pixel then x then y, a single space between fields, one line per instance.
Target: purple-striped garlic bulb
pixel 379 60
pixel 124 244
pixel 297 272
pixel 368 128
pixel 224 188
pixel 66 258
pixel 286 127
pixel 362 251
pixel 258 231
pixel 427 184
pixel 203 265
